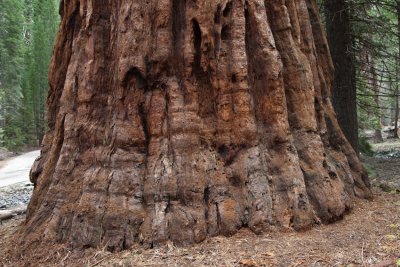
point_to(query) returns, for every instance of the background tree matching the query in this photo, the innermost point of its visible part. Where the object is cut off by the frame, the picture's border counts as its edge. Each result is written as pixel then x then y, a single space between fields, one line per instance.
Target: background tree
pixel 341 43
pixel 178 120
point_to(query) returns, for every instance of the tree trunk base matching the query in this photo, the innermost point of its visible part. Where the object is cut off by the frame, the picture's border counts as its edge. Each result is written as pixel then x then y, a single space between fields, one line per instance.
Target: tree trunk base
pixel 179 120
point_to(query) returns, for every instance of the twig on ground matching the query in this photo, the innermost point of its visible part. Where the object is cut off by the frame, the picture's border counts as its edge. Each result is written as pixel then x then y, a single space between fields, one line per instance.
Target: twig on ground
pixel 100 261
pixel 66 257
pixel 386 263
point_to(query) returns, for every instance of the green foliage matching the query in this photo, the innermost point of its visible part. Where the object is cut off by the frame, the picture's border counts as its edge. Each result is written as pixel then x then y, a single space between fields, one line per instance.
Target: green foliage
pixel 11 67
pixel 15 138
pixel 370 170
pixel 42 30
pixel 375 27
pixel 27 31
pixel 1 137
pixel 365 147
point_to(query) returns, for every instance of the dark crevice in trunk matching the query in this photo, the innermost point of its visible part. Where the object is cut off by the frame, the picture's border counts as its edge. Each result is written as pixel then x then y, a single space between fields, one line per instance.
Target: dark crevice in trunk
pixel 217 34
pixel 197 39
pixel 204 85
pixel 61 8
pixel 145 126
pixel 253 67
pixel 229 152
pixel 226 33
pixel 178 32
pixel 218 217
pixel 235 181
pixel 61 68
pixel 134 75
pixel 228 9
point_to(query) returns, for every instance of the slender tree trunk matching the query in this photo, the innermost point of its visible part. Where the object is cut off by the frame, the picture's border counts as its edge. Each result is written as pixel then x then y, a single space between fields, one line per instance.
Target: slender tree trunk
pixel 368 73
pixel 396 112
pixel 177 120
pixel 396 116
pixel 2 106
pixel 344 92
pixel 373 81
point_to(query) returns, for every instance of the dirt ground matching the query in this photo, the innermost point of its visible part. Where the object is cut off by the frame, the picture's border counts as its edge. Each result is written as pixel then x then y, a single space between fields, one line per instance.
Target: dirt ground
pixel 368 236
pixel 385 173
pixel 385 166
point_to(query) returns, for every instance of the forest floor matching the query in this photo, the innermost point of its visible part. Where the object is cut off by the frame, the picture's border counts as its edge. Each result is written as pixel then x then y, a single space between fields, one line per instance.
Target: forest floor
pixel 368 236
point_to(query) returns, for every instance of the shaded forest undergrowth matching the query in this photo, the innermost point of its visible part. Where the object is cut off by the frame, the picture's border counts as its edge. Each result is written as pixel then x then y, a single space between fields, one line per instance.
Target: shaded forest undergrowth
pixel 369 236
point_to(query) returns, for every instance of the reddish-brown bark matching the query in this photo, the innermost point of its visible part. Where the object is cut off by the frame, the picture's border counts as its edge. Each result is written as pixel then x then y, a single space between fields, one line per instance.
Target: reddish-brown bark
pixel 178 120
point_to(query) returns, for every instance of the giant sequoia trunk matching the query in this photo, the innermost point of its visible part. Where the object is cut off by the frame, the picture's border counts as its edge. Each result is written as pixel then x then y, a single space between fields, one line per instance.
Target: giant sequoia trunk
pixel 181 119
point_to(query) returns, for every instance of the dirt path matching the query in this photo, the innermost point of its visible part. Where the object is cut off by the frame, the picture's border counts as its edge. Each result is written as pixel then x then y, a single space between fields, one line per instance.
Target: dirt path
pixel 368 236
pixel 17 169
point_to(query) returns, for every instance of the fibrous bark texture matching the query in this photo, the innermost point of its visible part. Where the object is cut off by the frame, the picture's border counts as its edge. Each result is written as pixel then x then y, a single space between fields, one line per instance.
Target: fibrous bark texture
pixel 182 119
